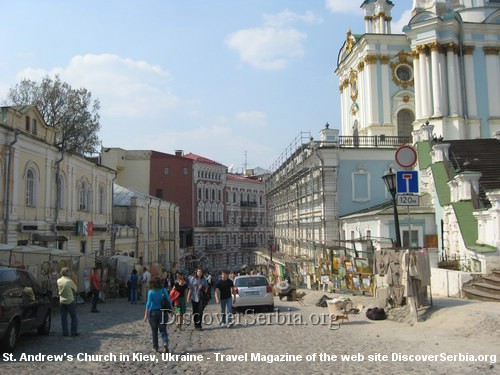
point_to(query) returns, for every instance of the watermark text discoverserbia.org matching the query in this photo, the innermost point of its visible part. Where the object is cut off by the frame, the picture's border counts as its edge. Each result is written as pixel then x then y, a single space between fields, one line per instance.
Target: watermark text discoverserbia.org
pixel 250 318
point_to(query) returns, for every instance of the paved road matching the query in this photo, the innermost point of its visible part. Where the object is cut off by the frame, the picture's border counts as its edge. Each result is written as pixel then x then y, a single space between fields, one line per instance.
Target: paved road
pixel 295 341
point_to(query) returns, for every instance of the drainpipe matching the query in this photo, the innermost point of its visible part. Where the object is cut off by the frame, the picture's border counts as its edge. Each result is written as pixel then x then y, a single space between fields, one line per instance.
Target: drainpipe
pixel 113 229
pixel 146 243
pixel 463 84
pixel 7 192
pixel 58 188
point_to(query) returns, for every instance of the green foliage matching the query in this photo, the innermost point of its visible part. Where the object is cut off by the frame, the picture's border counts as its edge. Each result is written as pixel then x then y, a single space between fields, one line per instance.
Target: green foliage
pixel 71 111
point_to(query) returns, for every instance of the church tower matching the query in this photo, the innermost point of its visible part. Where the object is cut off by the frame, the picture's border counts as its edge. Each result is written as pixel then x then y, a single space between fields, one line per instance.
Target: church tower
pixel 376 78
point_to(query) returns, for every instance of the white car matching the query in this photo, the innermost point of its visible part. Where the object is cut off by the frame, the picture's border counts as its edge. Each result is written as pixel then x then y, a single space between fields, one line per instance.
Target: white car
pixel 253 291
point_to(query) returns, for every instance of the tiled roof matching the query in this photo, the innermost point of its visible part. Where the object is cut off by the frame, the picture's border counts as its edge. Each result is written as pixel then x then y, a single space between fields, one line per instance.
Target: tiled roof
pixel 237 177
pixel 201 159
pixel 122 195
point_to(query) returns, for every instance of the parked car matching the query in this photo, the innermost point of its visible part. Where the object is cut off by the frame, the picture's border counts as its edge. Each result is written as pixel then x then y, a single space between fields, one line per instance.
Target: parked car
pixel 253 291
pixel 23 307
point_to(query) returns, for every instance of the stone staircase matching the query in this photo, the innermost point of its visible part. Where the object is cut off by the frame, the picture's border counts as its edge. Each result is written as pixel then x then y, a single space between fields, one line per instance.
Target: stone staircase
pixel 487 288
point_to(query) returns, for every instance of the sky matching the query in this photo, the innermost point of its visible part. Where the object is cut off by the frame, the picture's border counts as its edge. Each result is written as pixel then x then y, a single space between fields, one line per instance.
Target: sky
pixel 235 81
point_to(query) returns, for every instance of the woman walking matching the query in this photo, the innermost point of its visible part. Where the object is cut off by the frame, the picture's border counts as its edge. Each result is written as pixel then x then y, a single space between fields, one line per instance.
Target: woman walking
pixel 154 313
pixel 179 291
pixel 198 286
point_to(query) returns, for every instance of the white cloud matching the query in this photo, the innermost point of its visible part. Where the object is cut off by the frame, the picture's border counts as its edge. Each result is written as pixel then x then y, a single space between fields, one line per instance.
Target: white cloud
pixel 252 118
pixel 267 48
pixel 287 17
pixel 125 87
pixel 397 26
pixel 272 46
pixel 343 6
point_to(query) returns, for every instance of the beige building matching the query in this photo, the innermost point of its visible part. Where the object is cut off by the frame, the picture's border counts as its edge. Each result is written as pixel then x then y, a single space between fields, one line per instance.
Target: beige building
pixel 146 227
pixel 49 198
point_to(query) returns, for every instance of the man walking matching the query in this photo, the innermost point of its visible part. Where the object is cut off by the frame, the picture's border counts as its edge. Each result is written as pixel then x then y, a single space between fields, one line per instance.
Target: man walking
pixel 95 287
pixel 146 278
pixel 224 287
pixel 67 303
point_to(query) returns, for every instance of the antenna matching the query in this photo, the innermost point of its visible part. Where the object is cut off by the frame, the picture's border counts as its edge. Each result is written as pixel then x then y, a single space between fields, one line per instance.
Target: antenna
pixel 245 163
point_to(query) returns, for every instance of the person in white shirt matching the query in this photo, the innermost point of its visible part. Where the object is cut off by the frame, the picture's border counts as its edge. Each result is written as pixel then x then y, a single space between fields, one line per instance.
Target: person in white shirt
pixel 146 278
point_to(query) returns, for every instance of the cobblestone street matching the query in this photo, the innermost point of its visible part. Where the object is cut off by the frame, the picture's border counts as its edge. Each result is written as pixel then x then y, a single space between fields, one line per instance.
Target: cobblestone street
pixel 271 345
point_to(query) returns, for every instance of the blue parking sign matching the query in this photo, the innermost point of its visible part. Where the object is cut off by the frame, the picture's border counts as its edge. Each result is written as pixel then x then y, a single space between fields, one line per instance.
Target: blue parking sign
pixel 407 182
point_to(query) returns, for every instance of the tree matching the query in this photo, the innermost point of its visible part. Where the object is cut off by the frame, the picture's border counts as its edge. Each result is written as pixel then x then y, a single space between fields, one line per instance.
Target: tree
pixel 71 111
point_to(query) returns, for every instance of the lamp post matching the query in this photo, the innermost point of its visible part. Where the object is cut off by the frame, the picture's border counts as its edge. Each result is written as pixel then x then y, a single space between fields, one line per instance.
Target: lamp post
pixel 390 183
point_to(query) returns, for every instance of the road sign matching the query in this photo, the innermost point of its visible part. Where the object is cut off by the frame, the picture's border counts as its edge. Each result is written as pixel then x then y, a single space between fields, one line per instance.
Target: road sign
pixel 406 156
pixel 407 182
pixel 407 200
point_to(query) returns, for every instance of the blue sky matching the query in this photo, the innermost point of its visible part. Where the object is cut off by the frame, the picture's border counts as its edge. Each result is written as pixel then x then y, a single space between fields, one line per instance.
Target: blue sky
pixel 219 78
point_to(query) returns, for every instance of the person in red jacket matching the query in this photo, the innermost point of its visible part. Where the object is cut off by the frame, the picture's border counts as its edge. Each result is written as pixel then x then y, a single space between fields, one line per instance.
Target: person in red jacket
pixel 95 287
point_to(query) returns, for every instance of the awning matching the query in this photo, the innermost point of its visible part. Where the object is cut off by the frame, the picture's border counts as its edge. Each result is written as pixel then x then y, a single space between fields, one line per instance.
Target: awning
pixel 48 237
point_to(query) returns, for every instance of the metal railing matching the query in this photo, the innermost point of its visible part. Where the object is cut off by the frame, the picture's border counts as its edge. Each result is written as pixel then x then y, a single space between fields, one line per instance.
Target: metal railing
pixel 373 141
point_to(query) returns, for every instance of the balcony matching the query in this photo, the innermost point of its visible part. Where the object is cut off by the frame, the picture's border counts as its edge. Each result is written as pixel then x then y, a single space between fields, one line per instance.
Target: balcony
pixel 213 224
pixel 373 141
pixel 249 245
pixel 249 224
pixel 248 204
pixel 213 247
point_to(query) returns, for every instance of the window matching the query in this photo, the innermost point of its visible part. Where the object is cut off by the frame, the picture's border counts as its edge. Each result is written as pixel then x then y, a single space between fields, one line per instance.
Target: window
pixel 199 194
pixel 165 171
pixel 27 126
pixel 185 171
pixel 406 238
pixel 404 73
pixel 102 243
pixel 213 195
pixel 361 185
pixel 33 127
pixel 207 194
pixel 83 247
pixel 60 191
pixel 84 197
pixel 102 197
pixel 30 187
pixel 405 120
pixel 159 193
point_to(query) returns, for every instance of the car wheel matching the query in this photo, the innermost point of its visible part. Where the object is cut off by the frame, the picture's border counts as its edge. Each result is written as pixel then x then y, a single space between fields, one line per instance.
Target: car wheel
pixel 270 308
pixel 44 329
pixel 10 340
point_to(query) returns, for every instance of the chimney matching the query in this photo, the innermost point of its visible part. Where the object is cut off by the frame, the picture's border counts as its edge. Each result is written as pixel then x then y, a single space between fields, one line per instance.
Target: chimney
pixel 179 153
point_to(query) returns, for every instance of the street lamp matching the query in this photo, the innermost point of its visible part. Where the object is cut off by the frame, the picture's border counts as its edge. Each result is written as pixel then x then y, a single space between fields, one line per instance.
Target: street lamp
pixel 390 183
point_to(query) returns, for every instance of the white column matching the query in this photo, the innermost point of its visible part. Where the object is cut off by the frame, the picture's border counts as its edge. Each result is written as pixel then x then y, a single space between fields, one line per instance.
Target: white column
pixel 458 80
pixel 368 24
pixel 470 83
pixel 425 94
pixel 386 95
pixel 492 70
pixel 452 82
pixel 371 79
pixel 416 85
pixel 388 23
pixel 361 95
pixel 436 80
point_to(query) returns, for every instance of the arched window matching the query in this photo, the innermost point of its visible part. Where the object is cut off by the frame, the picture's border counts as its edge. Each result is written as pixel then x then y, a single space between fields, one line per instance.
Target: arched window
pixel 405 121
pixel 60 191
pixel 30 187
pixel 84 196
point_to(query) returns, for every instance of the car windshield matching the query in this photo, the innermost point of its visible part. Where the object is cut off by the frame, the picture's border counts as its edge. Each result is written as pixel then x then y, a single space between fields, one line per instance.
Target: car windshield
pixel 251 281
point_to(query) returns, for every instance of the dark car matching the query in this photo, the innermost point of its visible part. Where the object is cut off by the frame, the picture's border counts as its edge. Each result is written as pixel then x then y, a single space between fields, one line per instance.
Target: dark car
pixel 23 307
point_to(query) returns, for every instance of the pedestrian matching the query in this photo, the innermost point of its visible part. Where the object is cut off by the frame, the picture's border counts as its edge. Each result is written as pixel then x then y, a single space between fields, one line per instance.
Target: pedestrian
pixel 198 286
pixel 154 313
pixel 146 279
pixel 95 287
pixel 232 276
pixel 133 281
pixel 67 302
pixel 224 293
pixel 179 289
pixel 168 282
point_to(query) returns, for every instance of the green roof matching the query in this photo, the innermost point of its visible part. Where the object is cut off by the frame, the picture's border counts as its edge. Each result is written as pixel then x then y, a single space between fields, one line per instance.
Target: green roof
pixel 441 183
pixel 424 154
